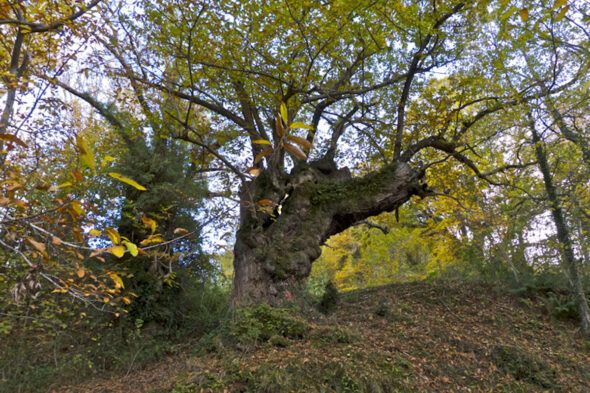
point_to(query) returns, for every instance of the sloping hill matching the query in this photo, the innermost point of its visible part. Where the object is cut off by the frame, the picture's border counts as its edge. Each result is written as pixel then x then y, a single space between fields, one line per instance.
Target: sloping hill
pixel 409 338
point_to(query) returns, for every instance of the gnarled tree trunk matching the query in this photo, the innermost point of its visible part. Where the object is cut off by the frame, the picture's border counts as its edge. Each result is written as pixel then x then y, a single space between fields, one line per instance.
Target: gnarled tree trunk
pixel 284 222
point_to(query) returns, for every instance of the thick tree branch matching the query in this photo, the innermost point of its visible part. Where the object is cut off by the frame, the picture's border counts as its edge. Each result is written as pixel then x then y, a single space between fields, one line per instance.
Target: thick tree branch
pixel 412 72
pixel 371 224
pixel 217 108
pixel 337 131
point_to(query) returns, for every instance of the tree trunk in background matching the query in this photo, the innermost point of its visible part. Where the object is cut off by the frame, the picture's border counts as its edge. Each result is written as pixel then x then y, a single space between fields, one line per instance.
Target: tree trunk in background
pixel 563 235
pixel 284 222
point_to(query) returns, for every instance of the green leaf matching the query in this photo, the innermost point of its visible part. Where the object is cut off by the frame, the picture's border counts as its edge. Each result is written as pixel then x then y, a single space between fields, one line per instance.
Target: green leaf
pixel 131 247
pixel 127 180
pixel 559 3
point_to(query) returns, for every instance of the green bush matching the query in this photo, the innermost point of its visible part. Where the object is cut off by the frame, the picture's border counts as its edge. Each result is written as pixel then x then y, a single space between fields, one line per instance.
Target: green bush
pixel 61 347
pixel 258 324
pixel 329 299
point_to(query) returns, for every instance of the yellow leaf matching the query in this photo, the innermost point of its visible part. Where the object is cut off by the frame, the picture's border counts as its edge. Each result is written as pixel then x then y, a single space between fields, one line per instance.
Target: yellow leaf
pixel 105 161
pixel 80 273
pixel 59 290
pixel 126 300
pixel 298 124
pixel 559 3
pixel 562 13
pixel 38 246
pixel 94 232
pixel 117 251
pixel 106 299
pixel 77 208
pixel 86 155
pixel 113 235
pixel 131 247
pixel 284 113
pixel 524 14
pixel 261 142
pixel 127 180
pixel 65 185
pixel 148 222
pixel 116 279
pixel 295 151
pixel 152 239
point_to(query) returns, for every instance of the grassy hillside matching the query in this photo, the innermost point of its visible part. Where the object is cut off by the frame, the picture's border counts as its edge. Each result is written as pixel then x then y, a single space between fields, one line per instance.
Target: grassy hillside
pixel 403 337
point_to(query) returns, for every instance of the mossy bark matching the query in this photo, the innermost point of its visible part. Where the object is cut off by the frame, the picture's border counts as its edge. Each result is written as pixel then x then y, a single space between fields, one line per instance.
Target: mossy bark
pixel 284 222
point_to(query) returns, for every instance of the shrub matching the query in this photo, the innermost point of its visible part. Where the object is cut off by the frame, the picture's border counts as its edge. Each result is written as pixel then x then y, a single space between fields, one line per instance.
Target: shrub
pixel 257 324
pixel 330 298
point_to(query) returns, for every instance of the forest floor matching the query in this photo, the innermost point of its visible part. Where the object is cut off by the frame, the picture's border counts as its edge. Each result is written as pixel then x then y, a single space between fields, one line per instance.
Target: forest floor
pixel 414 337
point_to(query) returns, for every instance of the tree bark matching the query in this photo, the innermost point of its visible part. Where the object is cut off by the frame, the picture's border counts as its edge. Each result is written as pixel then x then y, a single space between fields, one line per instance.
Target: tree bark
pixel 563 235
pixel 282 228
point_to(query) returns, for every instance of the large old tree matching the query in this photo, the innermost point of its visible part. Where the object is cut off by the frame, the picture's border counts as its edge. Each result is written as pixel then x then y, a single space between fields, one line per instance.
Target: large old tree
pixel 326 113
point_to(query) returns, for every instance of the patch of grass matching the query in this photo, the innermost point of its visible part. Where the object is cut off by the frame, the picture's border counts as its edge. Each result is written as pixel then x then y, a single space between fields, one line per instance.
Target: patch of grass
pixel 184 388
pixel 523 366
pixel 335 335
pixel 374 373
pixel 278 341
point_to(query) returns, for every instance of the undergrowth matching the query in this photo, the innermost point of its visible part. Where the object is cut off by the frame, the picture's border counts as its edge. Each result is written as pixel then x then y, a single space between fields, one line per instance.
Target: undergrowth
pixel 70 350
